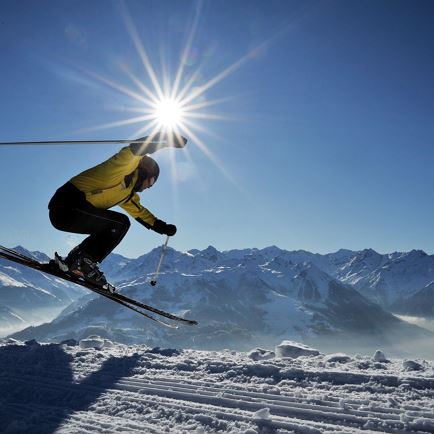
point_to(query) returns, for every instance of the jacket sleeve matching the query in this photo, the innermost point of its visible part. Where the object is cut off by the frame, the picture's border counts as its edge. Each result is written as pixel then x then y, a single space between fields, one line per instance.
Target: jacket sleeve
pixel 157 141
pixel 136 210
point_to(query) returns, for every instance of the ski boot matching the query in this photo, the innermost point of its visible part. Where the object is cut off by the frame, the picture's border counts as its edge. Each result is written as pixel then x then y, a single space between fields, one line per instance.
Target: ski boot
pixel 82 266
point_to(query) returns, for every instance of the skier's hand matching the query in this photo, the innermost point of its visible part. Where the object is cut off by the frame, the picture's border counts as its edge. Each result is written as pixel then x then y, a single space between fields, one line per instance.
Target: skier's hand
pixel 163 228
pixel 177 141
pixel 150 144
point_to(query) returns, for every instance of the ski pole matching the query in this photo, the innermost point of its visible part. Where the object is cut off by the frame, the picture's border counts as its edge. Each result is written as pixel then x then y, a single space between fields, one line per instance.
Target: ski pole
pixel 157 272
pixel 80 142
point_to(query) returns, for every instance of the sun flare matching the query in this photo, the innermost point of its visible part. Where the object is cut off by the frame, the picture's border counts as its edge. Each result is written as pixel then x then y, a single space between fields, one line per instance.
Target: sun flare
pixel 169 113
pixel 177 104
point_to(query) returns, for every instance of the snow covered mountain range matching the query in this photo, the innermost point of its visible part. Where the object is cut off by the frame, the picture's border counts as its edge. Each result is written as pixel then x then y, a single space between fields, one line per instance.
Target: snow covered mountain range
pixel 244 296
pixel 389 280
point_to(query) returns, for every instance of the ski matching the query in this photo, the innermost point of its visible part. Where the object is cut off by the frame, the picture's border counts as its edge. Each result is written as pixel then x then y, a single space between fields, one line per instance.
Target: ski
pixel 132 304
pixel 154 309
pixel 135 309
pixel 18 254
pixel 28 262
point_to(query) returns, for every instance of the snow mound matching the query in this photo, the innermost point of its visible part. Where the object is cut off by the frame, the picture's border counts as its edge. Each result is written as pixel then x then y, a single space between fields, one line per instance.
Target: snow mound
pixel 337 358
pixel 411 365
pixel 293 350
pixel 260 354
pixel 262 414
pixel 93 341
pixel 166 352
pixel 108 343
pixel 379 357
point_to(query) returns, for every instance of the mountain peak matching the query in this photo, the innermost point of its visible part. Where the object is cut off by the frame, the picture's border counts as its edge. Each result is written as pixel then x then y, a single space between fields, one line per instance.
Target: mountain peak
pixel 210 253
pixel 39 256
pixel 369 252
pixel 210 249
pixel 21 249
pixel 417 253
pixel 271 251
pixel 342 252
pixel 193 252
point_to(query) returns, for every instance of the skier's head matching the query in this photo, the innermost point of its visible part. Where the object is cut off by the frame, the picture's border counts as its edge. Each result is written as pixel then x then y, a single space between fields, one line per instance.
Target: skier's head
pixel 148 172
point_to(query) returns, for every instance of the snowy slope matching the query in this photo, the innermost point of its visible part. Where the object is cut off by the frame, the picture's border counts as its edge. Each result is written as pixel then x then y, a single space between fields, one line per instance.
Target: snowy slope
pixel 420 303
pixel 388 279
pixel 104 387
pixel 8 316
pixel 28 286
pixel 33 295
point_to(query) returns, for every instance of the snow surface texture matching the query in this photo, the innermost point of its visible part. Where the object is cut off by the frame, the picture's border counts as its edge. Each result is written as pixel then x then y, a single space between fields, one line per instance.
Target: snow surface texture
pixel 99 386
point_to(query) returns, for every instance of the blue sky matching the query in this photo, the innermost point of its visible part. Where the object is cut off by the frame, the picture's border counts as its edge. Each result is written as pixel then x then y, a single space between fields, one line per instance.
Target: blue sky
pixel 327 140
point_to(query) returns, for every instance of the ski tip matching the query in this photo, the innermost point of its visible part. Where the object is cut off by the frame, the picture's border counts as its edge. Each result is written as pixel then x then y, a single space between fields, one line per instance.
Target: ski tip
pixel 192 322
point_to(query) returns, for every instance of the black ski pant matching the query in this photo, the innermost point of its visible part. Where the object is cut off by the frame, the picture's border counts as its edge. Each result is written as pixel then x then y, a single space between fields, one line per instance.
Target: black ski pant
pixel 71 212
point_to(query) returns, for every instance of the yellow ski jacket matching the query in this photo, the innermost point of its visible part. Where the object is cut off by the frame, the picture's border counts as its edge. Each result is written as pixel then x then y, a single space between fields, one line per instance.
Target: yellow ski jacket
pixel 107 185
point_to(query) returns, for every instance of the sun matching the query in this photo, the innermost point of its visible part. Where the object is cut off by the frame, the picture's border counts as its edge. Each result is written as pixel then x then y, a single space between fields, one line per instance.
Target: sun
pixel 169 113
pixel 177 104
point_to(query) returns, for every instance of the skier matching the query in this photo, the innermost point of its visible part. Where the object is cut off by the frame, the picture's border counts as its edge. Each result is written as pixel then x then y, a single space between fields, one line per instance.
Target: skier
pixel 82 205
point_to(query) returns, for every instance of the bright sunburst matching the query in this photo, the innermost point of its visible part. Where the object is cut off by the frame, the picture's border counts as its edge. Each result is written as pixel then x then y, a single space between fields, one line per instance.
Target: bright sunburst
pixel 175 106
pixel 169 114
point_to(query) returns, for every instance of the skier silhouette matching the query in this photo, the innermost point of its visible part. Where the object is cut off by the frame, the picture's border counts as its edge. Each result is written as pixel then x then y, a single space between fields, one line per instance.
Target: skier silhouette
pixel 82 205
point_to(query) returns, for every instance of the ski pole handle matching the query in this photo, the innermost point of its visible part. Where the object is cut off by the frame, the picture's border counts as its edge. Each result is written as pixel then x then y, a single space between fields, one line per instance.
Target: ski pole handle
pixel 157 272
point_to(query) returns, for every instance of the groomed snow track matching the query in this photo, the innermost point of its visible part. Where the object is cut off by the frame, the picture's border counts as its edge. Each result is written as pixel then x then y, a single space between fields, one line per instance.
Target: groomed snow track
pixel 121 390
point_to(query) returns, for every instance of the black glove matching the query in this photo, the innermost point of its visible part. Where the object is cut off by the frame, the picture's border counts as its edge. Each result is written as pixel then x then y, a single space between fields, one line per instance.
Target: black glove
pixel 177 141
pixel 150 144
pixel 163 228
